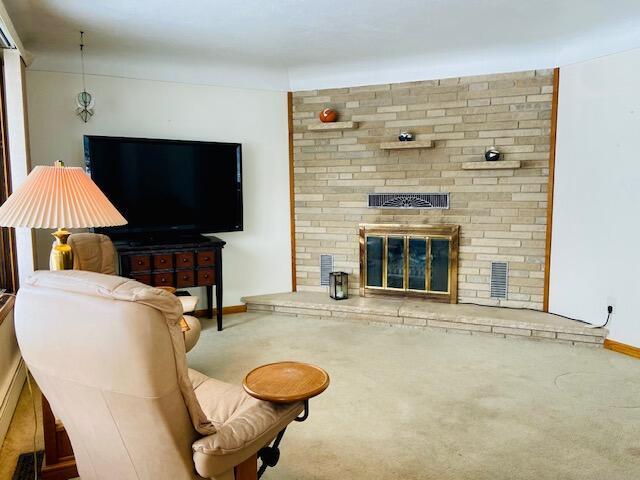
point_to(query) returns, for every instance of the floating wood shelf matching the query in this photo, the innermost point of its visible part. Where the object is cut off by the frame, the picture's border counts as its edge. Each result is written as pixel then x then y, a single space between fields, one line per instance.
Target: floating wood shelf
pixel 333 126
pixel 406 145
pixel 498 165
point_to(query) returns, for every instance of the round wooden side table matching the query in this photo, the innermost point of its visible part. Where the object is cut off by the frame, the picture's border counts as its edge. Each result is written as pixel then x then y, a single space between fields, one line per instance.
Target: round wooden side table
pixel 284 382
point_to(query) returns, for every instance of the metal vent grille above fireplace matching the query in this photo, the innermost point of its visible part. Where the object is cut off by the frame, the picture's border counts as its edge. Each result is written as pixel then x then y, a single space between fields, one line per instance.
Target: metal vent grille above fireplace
pixel 428 201
pixel 499 275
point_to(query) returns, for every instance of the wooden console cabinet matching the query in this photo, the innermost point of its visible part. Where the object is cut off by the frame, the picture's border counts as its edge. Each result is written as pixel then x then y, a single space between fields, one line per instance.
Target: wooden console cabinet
pixel 195 263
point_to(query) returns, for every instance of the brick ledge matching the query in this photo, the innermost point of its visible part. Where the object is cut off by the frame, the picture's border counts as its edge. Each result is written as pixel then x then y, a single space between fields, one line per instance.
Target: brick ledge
pixel 473 319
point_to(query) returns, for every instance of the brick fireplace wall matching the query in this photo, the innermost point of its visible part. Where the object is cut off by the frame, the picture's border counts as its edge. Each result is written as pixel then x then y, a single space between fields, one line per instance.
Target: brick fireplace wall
pixel 501 213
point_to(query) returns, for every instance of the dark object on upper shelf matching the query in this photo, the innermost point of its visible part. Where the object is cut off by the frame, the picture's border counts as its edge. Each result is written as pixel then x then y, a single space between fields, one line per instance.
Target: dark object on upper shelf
pixel 405 137
pixel 492 155
pixel 338 285
pixel 168 185
pixel 178 264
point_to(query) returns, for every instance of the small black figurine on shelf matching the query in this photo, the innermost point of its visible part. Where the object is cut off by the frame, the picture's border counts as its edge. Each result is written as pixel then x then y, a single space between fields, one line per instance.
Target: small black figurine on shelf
pixel 338 285
pixel 405 137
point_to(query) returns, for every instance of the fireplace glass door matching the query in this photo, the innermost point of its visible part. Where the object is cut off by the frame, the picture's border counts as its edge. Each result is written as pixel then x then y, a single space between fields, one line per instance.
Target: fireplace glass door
pixel 410 263
pixel 395 262
pixel 439 261
pixel 375 250
pixel 417 264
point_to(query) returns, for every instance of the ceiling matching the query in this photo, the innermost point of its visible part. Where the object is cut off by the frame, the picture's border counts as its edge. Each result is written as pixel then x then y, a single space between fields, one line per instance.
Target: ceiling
pixel 283 44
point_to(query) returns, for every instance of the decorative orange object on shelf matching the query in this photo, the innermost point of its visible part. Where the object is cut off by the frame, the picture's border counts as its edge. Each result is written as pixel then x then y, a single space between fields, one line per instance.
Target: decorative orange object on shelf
pixel 328 115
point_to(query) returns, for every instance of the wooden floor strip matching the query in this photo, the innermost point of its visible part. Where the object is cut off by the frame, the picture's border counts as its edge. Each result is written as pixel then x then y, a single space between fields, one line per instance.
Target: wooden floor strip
pixel 622 348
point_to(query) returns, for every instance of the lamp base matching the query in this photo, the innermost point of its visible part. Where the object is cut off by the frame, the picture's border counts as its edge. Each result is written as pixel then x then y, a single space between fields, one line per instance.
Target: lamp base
pixel 61 257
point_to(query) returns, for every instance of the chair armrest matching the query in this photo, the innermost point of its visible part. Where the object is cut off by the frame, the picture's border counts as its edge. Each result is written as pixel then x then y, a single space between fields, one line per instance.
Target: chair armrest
pixel 242 435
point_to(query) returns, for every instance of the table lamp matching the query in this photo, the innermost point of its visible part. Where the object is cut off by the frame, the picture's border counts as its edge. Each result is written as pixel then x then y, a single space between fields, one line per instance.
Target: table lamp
pixel 59 197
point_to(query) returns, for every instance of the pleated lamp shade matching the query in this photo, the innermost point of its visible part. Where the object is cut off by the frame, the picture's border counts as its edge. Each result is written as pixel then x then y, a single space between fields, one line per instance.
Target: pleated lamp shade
pixel 53 197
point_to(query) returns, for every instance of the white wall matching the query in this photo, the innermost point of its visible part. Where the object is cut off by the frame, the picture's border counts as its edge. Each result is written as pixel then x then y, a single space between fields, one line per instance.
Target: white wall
pixel 596 218
pixel 256 260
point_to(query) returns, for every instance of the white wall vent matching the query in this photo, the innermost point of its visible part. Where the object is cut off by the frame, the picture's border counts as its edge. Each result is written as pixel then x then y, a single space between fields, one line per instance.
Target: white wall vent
pixel 326 267
pixel 425 201
pixel 499 275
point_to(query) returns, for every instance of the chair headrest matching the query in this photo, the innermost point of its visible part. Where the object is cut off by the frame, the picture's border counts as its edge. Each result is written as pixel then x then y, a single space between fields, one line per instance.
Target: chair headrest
pixel 108 286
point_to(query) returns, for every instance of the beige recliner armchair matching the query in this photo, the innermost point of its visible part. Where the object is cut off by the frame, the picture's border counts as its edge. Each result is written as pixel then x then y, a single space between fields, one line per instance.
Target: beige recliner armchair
pixel 93 252
pixel 109 355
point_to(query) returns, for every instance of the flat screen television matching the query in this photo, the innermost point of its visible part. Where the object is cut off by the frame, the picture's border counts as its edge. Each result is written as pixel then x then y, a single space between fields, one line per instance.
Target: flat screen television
pixel 164 186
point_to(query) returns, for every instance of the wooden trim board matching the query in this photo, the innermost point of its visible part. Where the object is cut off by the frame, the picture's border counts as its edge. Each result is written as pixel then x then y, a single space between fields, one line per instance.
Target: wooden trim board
pixel 292 195
pixel 622 348
pixel 550 184
pixel 230 310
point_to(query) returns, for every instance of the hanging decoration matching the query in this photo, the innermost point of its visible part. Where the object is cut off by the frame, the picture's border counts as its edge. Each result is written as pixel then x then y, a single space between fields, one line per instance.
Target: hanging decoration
pixel 84 100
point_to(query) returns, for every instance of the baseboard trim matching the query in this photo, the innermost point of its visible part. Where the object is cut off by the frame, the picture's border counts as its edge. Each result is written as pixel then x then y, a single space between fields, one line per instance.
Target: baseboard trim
pixel 10 400
pixel 622 348
pixel 230 310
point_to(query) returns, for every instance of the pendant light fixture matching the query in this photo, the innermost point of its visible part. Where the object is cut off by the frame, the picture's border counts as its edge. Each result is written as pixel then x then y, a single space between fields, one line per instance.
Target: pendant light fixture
pixel 84 100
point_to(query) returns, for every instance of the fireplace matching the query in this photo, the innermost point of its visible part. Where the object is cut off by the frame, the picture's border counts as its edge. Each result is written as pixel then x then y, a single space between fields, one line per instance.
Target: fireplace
pixel 409 260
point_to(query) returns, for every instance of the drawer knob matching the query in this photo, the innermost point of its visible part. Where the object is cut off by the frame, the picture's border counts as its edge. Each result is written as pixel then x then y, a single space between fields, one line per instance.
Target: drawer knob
pixel 184 260
pixel 206 259
pixel 139 262
pixel 186 277
pixel 163 279
pixel 162 260
pixel 206 275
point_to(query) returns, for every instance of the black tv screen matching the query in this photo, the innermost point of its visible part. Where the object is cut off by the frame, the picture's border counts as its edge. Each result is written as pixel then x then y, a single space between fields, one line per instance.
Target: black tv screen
pixel 168 185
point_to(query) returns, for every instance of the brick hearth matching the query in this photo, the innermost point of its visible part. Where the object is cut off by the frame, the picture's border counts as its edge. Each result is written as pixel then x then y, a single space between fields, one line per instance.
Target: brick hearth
pixel 472 319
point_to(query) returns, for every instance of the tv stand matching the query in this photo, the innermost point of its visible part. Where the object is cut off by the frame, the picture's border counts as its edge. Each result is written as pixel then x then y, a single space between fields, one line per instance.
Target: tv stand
pixel 175 261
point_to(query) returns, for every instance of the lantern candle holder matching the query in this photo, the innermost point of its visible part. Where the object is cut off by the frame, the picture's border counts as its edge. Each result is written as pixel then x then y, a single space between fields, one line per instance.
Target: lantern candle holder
pixel 338 285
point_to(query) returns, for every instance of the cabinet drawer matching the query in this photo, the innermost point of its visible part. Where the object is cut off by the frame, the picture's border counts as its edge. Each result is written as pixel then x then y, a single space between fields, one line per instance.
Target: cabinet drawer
pixel 185 278
pixel 140 262
pixel 205 258
pixel 162 261
pixel 184 259
pixel 206 276
pixel 163 279
pixel 142 278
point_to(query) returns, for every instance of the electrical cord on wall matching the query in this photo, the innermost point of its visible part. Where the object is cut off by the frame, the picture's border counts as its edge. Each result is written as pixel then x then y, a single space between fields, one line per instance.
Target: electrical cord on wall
pixel 35 428
pixel 589 325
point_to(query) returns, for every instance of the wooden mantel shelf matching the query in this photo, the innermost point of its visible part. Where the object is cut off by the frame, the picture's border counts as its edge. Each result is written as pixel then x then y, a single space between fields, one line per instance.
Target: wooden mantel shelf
pixel 333 126
pixel 406 145
pixel 498 165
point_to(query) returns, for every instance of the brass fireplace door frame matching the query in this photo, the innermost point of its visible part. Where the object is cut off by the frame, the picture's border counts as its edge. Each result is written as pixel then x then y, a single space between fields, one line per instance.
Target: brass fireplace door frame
pixel 448 232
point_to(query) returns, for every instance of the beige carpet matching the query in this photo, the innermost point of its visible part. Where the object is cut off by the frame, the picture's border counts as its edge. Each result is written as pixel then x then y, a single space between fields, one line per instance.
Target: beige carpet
pixel 412 404
pixel 19 437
